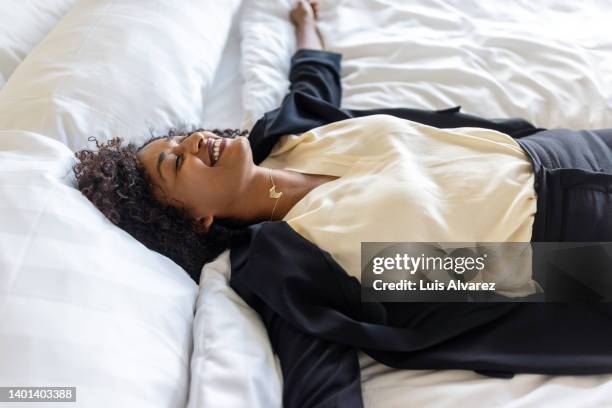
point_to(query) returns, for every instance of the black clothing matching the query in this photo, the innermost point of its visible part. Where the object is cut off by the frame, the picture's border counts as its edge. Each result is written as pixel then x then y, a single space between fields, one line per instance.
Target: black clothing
pixel 313 311
pixel 573 179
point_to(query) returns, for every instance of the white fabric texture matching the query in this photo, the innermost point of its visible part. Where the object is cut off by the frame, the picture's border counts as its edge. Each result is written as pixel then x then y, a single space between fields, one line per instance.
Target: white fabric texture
pixel 232 363
pixel 549 62
pixel 81 302
pixel 116 68
pixel 268 41
pixel 23 24
pixel 388 388
pixel 223 106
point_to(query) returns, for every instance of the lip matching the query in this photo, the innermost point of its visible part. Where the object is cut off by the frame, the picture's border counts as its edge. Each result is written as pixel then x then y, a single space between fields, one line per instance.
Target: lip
pixel 222 147
pixel 209 149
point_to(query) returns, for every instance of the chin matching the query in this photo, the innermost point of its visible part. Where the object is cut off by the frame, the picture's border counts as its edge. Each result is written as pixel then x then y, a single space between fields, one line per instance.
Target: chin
pixel 245 146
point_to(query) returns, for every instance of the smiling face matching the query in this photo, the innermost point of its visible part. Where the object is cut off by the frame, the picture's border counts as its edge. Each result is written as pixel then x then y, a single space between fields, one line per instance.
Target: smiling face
pixel 202 173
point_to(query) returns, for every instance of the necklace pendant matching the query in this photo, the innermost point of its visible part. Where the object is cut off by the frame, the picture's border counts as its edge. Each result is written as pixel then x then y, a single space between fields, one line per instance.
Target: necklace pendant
pixel 273 194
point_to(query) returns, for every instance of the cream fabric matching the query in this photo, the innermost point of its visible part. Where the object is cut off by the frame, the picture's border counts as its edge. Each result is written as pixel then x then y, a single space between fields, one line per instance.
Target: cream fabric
pixel 404 181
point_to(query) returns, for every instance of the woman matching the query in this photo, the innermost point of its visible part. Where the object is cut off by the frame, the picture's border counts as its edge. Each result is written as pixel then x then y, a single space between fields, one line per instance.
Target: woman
pixel 337 177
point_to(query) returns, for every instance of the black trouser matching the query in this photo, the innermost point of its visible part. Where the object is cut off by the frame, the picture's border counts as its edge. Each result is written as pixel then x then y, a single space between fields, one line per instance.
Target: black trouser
pixel 573 179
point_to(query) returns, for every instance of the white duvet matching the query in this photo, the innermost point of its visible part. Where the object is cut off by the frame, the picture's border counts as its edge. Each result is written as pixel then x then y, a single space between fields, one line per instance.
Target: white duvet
pixel 547 61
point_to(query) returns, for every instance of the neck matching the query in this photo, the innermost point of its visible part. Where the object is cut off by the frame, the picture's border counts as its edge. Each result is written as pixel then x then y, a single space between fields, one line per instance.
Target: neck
pixel 293 186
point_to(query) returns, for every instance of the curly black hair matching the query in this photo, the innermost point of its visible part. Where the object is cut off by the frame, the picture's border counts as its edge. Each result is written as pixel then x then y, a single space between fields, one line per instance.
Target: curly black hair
pixel 113 179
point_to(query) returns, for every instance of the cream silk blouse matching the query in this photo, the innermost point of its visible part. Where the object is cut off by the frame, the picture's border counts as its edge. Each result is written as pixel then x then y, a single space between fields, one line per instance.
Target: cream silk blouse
pixel 402 181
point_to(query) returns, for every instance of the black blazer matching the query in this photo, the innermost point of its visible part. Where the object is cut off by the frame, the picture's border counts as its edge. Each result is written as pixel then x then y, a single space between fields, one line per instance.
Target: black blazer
pixel 313 311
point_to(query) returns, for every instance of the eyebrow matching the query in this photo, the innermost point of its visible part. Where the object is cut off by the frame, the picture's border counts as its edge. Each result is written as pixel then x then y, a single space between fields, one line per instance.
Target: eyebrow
pixel 160 159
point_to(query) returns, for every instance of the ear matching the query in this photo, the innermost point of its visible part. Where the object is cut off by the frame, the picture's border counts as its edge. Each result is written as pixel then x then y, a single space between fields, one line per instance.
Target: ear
pixel 205 222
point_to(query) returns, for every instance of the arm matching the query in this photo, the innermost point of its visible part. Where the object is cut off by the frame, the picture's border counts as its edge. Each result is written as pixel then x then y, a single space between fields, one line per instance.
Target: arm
pixel 308 36
pixel 315 91
pixel 316 372
pixel 304 17
pixel 313 71
pixel 313 100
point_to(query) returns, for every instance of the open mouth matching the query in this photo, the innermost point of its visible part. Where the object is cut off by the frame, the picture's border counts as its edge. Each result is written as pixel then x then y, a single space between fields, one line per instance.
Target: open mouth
pixel 215 149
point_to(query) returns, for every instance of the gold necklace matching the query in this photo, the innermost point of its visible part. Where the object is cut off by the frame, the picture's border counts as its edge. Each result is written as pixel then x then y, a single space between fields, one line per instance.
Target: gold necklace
pixel 273 194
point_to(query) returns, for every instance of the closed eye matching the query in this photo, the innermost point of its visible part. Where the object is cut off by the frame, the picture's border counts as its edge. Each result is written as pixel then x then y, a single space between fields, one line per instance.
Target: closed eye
pixel 179 158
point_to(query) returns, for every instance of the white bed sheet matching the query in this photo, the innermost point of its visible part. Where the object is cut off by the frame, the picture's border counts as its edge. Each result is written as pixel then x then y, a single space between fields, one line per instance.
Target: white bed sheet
pixel 385 387
pixel 548 61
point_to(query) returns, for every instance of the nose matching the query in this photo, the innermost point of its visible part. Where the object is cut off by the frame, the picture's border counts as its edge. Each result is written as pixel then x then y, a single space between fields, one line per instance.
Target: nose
pixel 196 144
pixel 196 141
pixel 200 138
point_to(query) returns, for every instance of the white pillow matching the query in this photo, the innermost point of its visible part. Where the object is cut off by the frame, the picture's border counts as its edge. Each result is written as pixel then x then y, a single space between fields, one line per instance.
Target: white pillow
pixel 81 302
pixel 232 363
pixel 117 68
pixel 493 61
pixel 268 42
pixel 23 23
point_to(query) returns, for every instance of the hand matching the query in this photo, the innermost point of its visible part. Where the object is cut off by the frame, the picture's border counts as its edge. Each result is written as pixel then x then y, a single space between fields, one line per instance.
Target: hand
pixel 304 12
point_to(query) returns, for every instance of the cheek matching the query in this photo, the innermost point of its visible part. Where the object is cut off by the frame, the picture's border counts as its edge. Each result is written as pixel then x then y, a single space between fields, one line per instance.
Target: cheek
pixel 200 189
pixel 204 188
pixel 189 186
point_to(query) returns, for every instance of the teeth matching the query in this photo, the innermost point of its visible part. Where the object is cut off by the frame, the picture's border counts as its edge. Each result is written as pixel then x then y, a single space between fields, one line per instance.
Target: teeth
pixel 216 146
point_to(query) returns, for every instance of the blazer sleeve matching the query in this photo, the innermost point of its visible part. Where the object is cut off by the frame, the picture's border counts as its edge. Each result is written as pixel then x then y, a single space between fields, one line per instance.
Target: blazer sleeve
pixel 316 73
pixel 313 100
pixel 316 373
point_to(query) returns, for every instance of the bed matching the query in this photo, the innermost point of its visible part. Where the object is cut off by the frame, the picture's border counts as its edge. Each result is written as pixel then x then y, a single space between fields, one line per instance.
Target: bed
pixel 86 300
